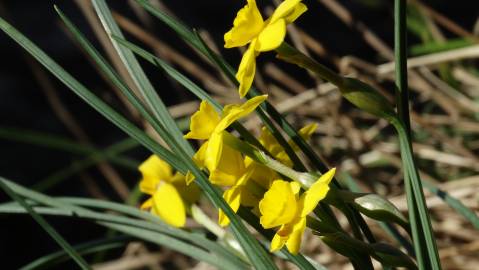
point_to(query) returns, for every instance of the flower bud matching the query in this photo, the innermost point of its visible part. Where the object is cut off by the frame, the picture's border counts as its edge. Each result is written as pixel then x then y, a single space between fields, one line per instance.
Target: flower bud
pixel 379 208
pixel 366 98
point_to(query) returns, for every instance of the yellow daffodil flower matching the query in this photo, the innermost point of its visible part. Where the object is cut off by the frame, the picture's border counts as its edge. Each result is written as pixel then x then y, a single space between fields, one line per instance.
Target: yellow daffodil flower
pixel 250 28
pixel 276 150
pixel 207 124
pixel 283 206
pixel 168 190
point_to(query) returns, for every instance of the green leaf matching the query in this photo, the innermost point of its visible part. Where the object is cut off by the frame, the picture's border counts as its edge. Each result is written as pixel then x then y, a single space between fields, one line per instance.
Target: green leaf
pixel 55 258
pixel 110 152
pixel 252 248
pixel 148 93
pixel 189 85
pixel 148 222
pixel 258 256
pixel 46 226
pixel 91 99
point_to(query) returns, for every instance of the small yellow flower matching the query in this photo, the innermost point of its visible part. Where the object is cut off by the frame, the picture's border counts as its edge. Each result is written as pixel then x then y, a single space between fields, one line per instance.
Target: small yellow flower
pixel 283 206
pixel 250 28
pixel 168 190
pixel 276 150
pixel 207 124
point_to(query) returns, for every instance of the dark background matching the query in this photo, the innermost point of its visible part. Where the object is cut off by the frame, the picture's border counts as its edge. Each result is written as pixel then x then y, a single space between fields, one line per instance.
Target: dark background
pixel 24 105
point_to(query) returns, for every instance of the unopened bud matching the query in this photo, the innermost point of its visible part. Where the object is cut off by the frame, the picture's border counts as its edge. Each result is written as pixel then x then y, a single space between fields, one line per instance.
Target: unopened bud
pixel 379 208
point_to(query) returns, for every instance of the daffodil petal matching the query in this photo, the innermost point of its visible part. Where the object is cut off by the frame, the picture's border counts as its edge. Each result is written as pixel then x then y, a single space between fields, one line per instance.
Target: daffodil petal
pixel 153 170
pixel 147 204
pixel 148 184
pixel 189 178
pixel 214 150
pixel 200 155
pixel 294 240
pixel 298 10
pixel 295 187
pixel 234 112
pixel 272 36
pixel 203 122
pixel 284 10
pixel 308 130
pixel 233 197
pixel 169 206
pixel 281 236
pixel 247 198
pixel 262 175
pixel 230 168
pixel 316 193
pixel 277 243
pixel 246 70
pixel 247 24
pixel 278 205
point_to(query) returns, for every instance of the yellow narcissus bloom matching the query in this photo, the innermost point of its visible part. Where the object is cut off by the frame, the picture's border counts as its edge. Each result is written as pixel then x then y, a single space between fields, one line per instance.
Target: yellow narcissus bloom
pixel 283 206
pixel 250 28
pixel 207 124
pixel 276 150
pixel 168 190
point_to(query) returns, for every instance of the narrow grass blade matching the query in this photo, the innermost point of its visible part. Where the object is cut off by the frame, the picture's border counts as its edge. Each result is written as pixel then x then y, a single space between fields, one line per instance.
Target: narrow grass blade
pixel 154 102
pixel 113 76
pixel 90 98
pixel 54 141
pixel 426 253
pixel 73 207
pixel 147 235
pixel 182 162
pixel 174 244
pixel 55 258
pixel 189 85
pixel 253 249
pixel 111 152
pixel 46 226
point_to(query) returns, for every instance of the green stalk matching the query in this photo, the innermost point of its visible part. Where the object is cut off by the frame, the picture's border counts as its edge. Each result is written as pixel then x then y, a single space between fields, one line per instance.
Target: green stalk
pixel 400 56
pixel 417 207
pixel 305 179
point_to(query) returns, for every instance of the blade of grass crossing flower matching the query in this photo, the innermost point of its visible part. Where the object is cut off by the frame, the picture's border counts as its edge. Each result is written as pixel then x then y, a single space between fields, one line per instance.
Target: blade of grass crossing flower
pixel 90 98
pixel 197 43
pixel 299 260
pixel 186 247
pixel 298 164
pixel 258 256
pixel 356 219
pixel 46 226
pixel 149 94
pixel 174 244
pixel 115 78
pixel 188 84
pixel 55 258
pixel 72 207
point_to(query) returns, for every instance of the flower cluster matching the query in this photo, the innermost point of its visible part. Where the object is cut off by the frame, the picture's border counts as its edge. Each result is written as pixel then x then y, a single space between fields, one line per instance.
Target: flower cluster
pixel 169 193
pixel 262 35
pixel 251 184
pixel 278 202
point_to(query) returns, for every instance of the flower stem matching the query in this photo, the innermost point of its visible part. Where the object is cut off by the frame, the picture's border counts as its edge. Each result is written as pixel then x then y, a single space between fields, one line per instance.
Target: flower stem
pixel 304 178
